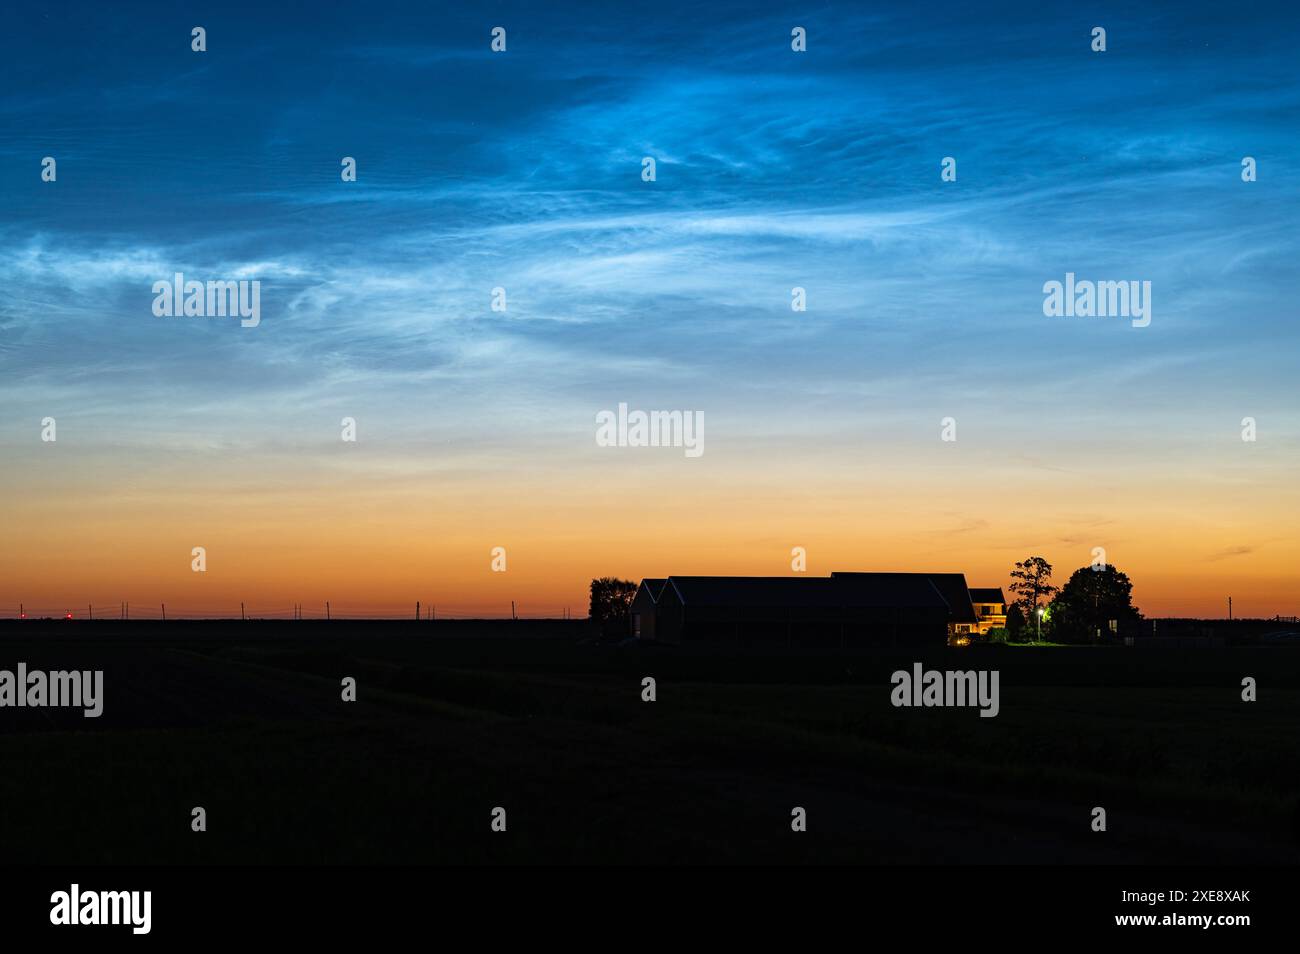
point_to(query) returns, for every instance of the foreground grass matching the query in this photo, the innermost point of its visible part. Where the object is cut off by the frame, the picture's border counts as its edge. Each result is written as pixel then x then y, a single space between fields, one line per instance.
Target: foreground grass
pixel 709 772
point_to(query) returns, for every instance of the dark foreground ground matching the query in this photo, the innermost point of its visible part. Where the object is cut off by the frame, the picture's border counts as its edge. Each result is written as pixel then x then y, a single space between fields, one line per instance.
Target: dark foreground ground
pixel 246 720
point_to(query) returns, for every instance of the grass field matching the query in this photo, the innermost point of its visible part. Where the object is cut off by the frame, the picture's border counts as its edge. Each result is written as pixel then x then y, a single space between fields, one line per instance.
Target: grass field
pixel 247 721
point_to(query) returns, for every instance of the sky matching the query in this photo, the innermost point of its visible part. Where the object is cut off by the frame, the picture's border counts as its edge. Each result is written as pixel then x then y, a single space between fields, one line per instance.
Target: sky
pixel 522 170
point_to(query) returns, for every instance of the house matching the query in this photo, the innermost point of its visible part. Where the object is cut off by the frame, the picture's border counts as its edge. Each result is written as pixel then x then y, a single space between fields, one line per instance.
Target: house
pixel 990 608
pixel 644 608
pixel 844 610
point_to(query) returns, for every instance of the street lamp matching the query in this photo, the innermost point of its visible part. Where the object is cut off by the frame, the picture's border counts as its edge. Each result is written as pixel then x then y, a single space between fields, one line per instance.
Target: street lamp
pixel 1039 637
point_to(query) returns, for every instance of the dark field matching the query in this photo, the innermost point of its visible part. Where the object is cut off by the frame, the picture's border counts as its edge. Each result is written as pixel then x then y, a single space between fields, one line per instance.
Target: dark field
pixel 453 719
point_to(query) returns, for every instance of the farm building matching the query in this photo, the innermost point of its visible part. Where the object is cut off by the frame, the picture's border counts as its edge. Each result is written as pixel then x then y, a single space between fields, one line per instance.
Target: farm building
pixel 643 608
pixel 962 620
pixel 842 610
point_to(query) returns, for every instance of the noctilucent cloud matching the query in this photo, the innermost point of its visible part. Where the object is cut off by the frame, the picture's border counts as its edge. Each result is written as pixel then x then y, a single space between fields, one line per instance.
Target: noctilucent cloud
pixel 522 170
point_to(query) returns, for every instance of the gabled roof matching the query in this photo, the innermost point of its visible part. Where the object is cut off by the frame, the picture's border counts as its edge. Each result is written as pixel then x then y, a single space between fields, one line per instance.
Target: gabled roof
pixel 864 591
pixel 951 587
pixel 654 587
pixel 987 594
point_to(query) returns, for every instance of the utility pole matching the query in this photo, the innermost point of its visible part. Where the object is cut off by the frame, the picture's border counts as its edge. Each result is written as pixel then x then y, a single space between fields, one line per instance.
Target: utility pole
pixel 1229 607
pixel 164 609
pixel 327 609
pixel 89 612
pixel 241 610
pixel 417 611
pixel 512 610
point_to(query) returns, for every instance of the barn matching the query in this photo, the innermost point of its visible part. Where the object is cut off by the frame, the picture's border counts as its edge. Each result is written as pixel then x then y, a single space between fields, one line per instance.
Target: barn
pixel 643 608
pixel 844 610
pixel 962 620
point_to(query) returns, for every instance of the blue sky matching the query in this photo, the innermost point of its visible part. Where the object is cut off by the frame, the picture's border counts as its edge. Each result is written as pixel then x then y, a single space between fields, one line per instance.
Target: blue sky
pixel 775 169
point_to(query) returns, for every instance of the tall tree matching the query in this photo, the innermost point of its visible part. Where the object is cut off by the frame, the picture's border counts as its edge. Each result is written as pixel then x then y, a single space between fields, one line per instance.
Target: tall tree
pixel 1090 599
pixel 1033 584
pixel 611 599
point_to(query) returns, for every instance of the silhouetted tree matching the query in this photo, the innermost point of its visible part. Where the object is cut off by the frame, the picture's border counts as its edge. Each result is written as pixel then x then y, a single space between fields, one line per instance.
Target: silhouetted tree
pixel 610 600
pixel 1033 583
pixel 1090 599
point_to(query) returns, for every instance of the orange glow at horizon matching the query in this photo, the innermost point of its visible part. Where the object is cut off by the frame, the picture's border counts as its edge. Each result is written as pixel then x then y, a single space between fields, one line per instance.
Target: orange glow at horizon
pixel 374 543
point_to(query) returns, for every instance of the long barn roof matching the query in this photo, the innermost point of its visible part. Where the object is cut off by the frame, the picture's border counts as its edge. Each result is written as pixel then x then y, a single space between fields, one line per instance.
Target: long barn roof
pixel 951 586
pixel 868 590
